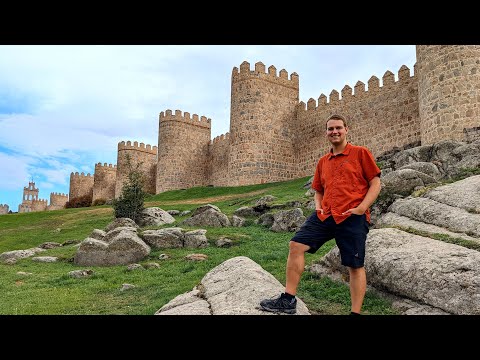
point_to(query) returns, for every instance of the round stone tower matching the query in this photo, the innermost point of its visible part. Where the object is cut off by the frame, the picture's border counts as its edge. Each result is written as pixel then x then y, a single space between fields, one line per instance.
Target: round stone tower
pixel 448 91
pixel 182 150
pixel 262 120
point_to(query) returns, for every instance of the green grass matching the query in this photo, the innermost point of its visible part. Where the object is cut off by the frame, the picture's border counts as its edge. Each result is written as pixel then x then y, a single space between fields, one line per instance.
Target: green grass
pixel 49 290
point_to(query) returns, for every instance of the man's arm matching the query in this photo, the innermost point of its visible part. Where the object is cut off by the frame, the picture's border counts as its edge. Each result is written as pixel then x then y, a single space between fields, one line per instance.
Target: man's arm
pixel 318 201
pixel 369 198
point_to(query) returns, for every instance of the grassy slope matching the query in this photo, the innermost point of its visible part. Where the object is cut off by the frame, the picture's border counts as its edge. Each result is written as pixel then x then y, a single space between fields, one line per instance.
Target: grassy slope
pixel 49 290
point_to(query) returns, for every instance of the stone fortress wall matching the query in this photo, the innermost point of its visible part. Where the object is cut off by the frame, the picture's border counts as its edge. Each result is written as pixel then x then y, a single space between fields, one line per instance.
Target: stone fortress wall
pixel 141 155
pixel 57 201
pixel 182 150
pixel 380 118
pixel 4 209
pixel 104 181
pixel 274 136
pixel 449 91
pixel 80 185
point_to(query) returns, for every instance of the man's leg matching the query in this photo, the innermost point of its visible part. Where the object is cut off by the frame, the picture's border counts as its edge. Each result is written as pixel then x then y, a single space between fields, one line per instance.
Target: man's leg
pixel 313 232
pixel 295 266
pixel 358 286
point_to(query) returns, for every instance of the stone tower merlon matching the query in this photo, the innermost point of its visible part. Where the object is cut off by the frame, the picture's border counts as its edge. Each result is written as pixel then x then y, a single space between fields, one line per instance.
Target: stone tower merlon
pixel 57 201
pixel 182 150
pixel 140 156
pixel 448 91
pixel 104 180
pixel 80 185
pixel 4 209
pixel 262 124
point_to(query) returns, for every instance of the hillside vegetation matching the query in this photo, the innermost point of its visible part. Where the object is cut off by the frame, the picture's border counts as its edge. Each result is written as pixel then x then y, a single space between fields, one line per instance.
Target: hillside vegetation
pixel 49 290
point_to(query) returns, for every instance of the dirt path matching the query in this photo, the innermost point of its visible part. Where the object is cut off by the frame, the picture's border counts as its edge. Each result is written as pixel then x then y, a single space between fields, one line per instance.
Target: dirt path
pixel 206 200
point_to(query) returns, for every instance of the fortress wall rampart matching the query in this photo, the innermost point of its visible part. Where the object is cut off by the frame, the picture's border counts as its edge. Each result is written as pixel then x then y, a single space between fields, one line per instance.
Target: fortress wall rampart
pixel 24 208
pixel 145 156
pixel 4 209
pixel 80 185
pixel 39 205
pixel 449 91
pixel 379 118
pixel 57 201
pixel 218 154
pixel 104 180
pixel 182 150
pixel 262 118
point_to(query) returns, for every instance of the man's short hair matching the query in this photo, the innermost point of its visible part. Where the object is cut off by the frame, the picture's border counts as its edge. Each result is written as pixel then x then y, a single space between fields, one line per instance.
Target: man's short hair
pixel 336 117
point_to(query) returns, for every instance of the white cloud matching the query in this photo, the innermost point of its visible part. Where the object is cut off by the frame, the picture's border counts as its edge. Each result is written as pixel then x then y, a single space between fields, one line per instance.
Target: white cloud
pixel 14 171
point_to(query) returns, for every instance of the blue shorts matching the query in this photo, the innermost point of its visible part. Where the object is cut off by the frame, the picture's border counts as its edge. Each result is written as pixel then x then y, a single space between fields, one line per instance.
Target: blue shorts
pixel 350 236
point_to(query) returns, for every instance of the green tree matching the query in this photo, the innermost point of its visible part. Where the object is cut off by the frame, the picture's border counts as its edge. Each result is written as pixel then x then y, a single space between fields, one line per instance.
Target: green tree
pixel 131 201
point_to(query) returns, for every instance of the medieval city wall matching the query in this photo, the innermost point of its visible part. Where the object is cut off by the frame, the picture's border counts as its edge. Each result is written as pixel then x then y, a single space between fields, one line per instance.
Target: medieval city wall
pixel 80 185
pixel 57 201
pixel 24 208
pixel 275 137
pixel 39 205
pixel 449 91
pixel 263 105
pixel 4 209
pixel 104 180
pixel 379 118
pixel 141 155
pixel 218 155
pixel 182 150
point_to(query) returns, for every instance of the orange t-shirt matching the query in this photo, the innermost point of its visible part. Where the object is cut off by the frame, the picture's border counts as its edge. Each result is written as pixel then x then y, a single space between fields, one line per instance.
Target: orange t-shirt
pixel 343 180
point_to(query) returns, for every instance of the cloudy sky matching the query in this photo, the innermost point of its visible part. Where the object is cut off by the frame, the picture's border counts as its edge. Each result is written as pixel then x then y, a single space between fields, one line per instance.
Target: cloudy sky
pixel 65 108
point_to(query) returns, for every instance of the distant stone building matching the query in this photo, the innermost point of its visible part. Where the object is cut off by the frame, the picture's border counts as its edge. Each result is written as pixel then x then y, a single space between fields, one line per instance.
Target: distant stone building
pixel 31 202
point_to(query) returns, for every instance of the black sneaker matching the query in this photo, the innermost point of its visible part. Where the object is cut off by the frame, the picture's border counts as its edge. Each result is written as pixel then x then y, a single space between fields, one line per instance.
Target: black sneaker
pixel 280 304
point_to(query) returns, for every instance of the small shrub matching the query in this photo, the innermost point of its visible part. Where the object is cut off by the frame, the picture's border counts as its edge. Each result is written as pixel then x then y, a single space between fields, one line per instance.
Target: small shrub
pixel 131 201
pixel 98 202
pixel 78 202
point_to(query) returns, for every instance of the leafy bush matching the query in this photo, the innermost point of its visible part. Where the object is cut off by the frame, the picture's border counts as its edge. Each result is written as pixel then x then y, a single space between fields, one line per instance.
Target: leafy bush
pixel 98 202
pixel 78 202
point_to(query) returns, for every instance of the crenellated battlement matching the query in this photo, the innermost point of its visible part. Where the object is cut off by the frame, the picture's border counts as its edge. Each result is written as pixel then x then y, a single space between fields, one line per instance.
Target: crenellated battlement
pixel 185 118
pixel 137 147
pixel 109 167
pixel 58 194
pixel 81 175
pixel 358 92
pixel 259 72
pixel 40 201
pixel 220 138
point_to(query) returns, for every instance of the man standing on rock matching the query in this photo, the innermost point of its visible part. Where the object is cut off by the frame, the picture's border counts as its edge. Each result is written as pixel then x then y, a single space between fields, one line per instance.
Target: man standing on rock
pixel 346 183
